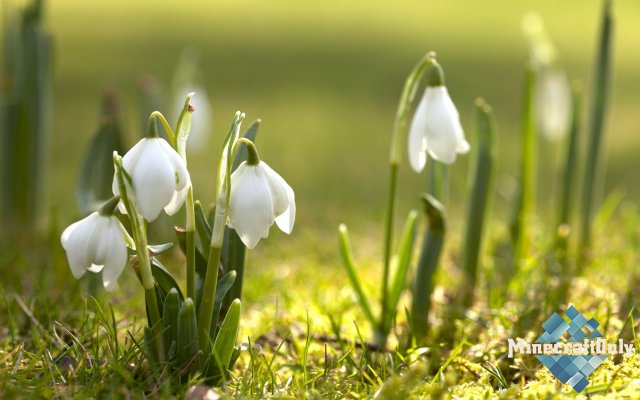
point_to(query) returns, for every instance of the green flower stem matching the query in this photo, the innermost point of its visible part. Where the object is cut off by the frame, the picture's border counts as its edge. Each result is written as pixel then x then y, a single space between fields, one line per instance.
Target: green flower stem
pixel 525 204
pixel 190 233
pixel 157 115
pixel 596 128
pixel 402 115
pixel 179 139
pixel 217 235
pixel 480 181
pixel 208 297
pixel 139 231
pixel 570 165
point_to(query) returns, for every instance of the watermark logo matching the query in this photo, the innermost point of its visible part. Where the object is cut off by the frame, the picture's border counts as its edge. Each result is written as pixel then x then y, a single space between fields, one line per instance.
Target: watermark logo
pixel 571 347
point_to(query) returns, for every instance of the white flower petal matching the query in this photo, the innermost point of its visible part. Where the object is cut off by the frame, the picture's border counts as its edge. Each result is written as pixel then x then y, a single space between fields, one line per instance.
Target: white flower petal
pixel 443 128
pixel 417 140
pixel 129 162
pixel 251 209
pixel 67 232
pixel 277 185
pixel 116 258
pixel 553 102
pixel 284 200
pixel 287 219
pixel 76 240
pixel 154 180
pixel 181 173
pixel 176 201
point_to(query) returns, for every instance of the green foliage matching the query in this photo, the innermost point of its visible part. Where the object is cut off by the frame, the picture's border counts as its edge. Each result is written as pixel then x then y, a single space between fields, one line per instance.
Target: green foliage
pixel 25 114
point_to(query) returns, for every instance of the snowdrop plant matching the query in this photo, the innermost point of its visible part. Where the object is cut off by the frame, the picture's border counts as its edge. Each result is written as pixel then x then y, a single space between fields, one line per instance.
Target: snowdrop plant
pixel 184 333
pixel 435 130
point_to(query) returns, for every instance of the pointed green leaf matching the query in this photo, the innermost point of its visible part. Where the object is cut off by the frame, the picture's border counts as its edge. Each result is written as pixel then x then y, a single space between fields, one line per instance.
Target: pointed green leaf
pixel 427 264
pixel 164 280
pixel 223 286
pixel 405 251
pixel 171 308
pixel 349 263
pixel 187 342
pixel 157 249
pixel 225 342
pixel 480 187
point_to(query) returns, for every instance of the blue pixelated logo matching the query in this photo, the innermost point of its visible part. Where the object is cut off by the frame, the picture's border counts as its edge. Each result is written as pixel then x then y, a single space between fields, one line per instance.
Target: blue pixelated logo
pixel 573 369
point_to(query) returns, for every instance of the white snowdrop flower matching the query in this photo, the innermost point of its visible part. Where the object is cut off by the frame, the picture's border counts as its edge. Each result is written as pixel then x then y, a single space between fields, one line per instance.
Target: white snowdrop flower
pixel 159 177
pixel 259 196
pixel 553 102
pixel 96 243
pixel 435 128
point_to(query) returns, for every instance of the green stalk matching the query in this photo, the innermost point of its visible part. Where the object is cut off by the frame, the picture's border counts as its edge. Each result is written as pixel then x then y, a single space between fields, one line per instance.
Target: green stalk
pixel 427 264
pixel 596 127
pixel 190 234
pixel 570 165
pixel 568 187
pixel 402 115
pixel 480 180
pixel 139 231
pixel 208 297
pixel 230 147
pixel 526 199
pixel 179 141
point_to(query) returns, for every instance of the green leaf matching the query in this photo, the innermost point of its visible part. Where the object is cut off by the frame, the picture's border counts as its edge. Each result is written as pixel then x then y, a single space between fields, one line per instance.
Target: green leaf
pixel 187 342
pixel 203 235
pixel 233 258
pixel 171 308
pixel 480 180
pixel 597 113
pixel 427 264
pixel 148 345
pixel 405 251
pixel 96 175
pixel 157 249
pixel 164 281
pixel 223 286
pixel 225 342
pixel 349 263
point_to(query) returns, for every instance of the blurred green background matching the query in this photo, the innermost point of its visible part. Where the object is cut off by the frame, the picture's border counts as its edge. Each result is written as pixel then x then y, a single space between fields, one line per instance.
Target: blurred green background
pixel 325 78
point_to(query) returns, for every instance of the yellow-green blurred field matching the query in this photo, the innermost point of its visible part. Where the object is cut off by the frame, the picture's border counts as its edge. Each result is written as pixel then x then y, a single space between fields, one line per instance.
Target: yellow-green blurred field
pixel 325 78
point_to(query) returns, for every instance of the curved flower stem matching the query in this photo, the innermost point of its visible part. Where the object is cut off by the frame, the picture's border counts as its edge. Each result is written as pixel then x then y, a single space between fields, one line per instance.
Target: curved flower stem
pixel 139 231
pixel 404 107
pixel 165 124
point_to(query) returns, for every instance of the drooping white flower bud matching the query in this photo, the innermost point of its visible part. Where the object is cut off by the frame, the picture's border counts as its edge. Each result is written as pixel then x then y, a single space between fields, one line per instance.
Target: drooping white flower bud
pixel 259 196
pixel 159 176
pixel 96 243
pixel 435 128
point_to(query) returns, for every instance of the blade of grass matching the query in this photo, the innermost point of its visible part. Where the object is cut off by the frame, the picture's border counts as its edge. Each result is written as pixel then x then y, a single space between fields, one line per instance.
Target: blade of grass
pixel 349 263
pixel 597 112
